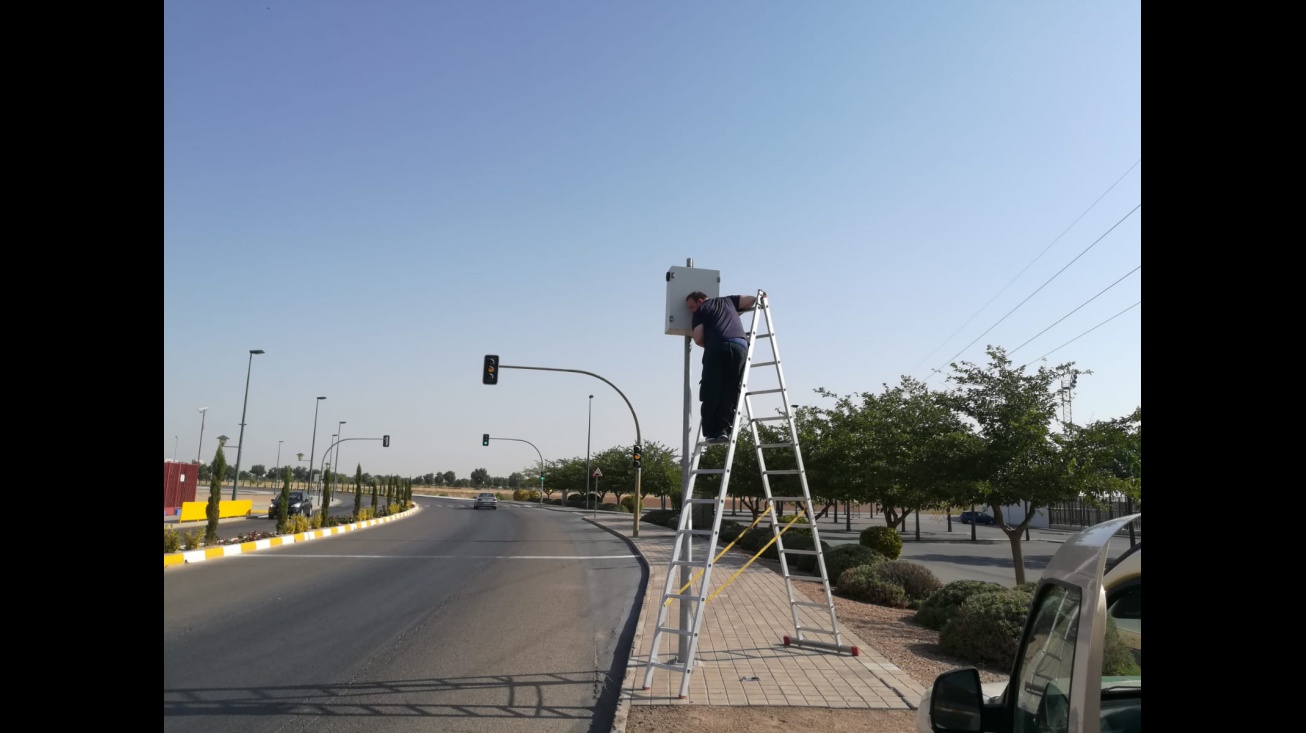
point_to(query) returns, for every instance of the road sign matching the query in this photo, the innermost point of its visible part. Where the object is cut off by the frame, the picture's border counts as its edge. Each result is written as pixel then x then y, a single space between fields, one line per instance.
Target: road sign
pixel 597 473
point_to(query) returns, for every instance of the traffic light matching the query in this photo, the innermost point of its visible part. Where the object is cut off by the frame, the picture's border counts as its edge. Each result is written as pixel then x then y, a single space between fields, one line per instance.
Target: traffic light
pixel 490 373
pixel 485 439
pixel 385 441
pixel 638 456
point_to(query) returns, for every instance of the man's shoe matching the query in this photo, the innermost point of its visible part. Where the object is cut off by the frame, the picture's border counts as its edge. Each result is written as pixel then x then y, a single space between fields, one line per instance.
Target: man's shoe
pixel 717 439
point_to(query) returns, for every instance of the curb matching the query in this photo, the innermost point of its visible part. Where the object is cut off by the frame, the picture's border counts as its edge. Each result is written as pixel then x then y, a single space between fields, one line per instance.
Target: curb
pixel 622 713
pixel 212 553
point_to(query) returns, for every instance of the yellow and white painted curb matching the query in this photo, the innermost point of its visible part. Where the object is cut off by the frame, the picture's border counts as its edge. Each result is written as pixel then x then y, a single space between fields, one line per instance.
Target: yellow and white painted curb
pixel 211 553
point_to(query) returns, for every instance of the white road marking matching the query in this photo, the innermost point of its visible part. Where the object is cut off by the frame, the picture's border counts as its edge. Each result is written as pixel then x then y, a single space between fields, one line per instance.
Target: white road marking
pixel 459 557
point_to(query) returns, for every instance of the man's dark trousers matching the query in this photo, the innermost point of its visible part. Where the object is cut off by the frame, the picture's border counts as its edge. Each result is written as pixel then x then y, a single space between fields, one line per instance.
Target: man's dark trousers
pixel 723 370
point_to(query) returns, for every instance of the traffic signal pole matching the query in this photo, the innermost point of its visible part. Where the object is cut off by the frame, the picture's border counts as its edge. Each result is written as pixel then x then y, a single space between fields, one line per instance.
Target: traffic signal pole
pixel 490 375
pixel 485 440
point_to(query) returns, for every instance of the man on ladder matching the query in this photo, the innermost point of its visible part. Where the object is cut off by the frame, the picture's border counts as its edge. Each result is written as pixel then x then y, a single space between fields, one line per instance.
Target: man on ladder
pixel 717 328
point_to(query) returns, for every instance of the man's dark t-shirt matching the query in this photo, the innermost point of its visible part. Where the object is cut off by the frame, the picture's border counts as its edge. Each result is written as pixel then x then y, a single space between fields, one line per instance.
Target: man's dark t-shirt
pixel 720 320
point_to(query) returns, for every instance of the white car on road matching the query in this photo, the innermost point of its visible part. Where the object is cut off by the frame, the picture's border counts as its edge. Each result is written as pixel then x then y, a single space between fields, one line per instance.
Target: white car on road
pixel 1059 686
pixel 487 500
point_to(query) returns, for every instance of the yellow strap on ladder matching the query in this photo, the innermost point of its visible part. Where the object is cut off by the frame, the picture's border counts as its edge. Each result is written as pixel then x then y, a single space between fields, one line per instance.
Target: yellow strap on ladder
pixel 753 558
pixel 721 554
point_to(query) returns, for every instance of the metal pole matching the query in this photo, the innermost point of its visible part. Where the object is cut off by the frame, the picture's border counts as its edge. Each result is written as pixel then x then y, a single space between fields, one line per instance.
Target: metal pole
pixel 200 448
pixel 278 466
pixel 175 440
pixel 588 426
pixel 687 547
pixel 341 433
pixel 312 451
pixel 240 447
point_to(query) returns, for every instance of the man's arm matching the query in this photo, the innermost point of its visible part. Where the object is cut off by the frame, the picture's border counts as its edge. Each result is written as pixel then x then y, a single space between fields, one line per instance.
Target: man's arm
pixel 698 334
pixel 746 302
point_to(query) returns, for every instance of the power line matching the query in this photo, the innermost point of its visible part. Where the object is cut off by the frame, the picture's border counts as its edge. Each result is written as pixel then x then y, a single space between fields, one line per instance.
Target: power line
pixel 1031 264
pixel 1081 305
pixel 1045 284
pixel 1094 328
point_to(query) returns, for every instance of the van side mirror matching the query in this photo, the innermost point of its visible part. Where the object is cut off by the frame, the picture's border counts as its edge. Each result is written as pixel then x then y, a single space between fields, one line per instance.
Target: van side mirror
pixel 955 702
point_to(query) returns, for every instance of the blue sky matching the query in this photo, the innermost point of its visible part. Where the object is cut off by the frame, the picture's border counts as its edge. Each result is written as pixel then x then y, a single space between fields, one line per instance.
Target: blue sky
pixel 379 194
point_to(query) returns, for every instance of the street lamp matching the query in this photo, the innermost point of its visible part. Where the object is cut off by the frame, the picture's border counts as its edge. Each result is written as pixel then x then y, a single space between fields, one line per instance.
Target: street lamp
pixel 341 434
pixel 278 466
pixel 175 440
pixel 312 450
pixel 588 424
pixel 241 445
pixel 199 448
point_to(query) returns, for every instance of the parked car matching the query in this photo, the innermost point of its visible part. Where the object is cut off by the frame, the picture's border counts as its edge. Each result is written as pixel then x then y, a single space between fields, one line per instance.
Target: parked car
pixel 487 500
pixel 299 504
pixel 1058 677
pixel 975 518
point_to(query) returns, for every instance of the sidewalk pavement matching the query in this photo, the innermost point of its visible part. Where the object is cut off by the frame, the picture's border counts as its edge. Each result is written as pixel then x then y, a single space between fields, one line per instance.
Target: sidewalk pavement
pixel 741 658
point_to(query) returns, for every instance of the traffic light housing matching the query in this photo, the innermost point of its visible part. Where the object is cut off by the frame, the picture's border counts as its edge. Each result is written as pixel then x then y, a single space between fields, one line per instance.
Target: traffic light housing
pixel 485 439
pixel 638 456
pixel 490 372
pixel 385 441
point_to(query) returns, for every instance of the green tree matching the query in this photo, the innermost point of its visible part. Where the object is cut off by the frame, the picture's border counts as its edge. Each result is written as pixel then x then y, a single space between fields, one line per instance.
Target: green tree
pixel 358 491
pixel 1107 456
pixel 479 476
pixel 1019 458
pixel 374 497
pixel 283 504
pixel 258 471
pixel 326 494
pixel 214 508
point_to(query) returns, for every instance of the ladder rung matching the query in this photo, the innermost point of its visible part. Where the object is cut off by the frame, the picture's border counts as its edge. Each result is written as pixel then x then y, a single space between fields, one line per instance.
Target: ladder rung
pixel 766 391
pixel 680 632
pixel 805 630
pixel 763 335
pixel 696 532
pixel 800 552
pixel 683 596
pixel 672 667
pixel 811 604
pixel 813 578
pixel 773 417
pixel 790 498
pixel 688 563
pixel 708 470
pixel 766 363
pixel 701 501
pixel 783 471
pixel 777 445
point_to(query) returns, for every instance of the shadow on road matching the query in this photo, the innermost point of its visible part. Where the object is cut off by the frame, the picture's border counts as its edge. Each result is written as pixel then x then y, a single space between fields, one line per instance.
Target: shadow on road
pixel 1031 561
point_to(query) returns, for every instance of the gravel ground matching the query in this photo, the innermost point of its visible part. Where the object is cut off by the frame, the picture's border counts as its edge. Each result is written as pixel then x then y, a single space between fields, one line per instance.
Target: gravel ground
pixel 890 631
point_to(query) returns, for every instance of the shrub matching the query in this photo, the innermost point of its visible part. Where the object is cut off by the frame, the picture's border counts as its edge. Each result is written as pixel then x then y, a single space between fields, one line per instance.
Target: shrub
pixel 364 514
pixel 842 557
pixel 861 583
pixel 171 540
pixel 884 540
pixel 986 628
pixel 628 503
pixel 315 522
pixel 501 496
pixel 395 509
pixel 785 519
pixel 675 500
pixel 608 507
pixel 804 563
pixel 1117 658
pixel 730 532
pixel 942 604
pixel 664 517
pixel 191 540
pixel 299 523
pixel 916 579
pixel 520 495
pixel 533 495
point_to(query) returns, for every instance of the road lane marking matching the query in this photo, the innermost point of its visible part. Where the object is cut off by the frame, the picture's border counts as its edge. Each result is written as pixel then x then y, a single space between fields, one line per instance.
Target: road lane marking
pixel 461 557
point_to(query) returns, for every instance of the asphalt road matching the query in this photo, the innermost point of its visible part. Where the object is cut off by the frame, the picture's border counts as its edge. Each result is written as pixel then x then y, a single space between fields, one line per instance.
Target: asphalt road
pixel 451 619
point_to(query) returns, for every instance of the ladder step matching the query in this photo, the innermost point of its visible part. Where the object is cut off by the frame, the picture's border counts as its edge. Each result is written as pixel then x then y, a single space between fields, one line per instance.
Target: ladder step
pixel 683 596
pixel 790 498
pixel 766 391
pixel 774 417
pixel 766 363
pixel 763 335
pixel 777 445
pixel 783 471
pixel 672 667
pixel 696 532
pixel 693 563
pixel 708 470
pixel 667 630
pixel 701 501
pixel 805 630
pixel 813 578
pixel 800 552
pixel 811 604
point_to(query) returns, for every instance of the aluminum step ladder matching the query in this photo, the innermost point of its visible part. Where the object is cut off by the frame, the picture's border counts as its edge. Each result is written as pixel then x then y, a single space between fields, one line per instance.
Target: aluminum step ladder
pixel 685 530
